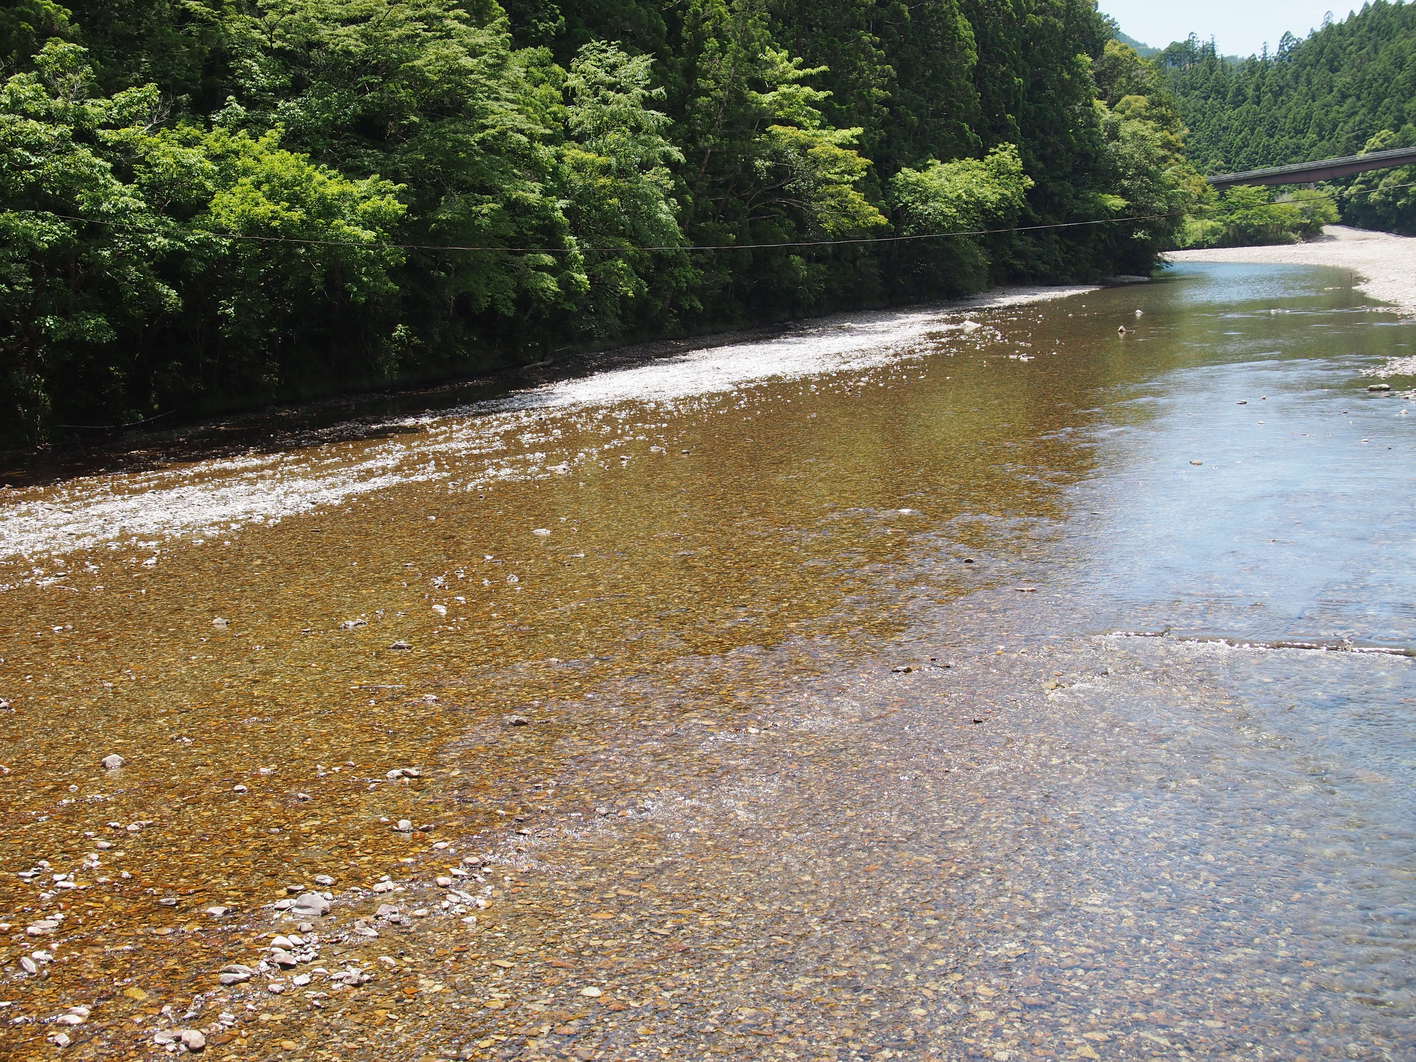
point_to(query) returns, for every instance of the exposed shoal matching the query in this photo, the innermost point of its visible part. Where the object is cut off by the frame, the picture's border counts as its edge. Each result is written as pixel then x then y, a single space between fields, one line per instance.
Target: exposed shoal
pixel 1386 262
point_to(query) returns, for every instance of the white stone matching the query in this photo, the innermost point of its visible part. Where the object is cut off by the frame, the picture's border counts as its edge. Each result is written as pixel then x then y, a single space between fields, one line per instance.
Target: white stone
pixel 192 1039
pixel 309 905
pixel 235 974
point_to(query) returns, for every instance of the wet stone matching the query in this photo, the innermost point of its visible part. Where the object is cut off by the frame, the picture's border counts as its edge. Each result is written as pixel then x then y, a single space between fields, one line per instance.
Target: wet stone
pixel 309 905
pixel 192 1039
pixel 235 974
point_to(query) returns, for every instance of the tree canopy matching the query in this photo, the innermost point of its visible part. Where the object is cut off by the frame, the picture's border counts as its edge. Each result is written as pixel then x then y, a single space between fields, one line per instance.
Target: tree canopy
pixel 213 204
pixel 1349 87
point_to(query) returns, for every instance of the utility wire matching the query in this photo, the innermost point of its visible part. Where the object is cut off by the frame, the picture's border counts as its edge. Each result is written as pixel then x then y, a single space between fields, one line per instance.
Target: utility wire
pixel 612 250
pixel 845 242
pixel 389 245
pixel 117 427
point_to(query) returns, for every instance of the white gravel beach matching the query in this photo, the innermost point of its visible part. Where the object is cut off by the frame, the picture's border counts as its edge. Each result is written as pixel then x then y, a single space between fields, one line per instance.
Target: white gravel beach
pixel 1386 263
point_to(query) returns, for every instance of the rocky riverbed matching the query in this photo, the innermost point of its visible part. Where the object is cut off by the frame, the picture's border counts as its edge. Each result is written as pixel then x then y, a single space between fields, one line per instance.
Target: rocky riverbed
pixel 776 701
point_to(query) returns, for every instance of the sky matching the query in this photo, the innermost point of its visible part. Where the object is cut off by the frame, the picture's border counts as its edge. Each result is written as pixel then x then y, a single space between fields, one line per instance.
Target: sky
pixel 1239 27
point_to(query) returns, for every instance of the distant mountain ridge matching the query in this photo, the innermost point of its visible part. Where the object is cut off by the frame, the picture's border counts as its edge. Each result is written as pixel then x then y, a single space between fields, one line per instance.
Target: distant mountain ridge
pixel 1140 48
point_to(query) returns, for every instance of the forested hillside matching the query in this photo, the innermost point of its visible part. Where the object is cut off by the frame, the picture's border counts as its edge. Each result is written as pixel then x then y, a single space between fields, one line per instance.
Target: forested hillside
pixel 211 204
pixel 1145 51
pixel 1349 87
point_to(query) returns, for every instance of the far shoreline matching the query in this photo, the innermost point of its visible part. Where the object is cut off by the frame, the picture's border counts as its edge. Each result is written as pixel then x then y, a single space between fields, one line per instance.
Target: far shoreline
pixel 1386 263
pixel 369 413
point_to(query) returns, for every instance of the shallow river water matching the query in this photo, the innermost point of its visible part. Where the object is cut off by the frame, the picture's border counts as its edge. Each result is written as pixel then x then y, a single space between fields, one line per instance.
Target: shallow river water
pixel 988 684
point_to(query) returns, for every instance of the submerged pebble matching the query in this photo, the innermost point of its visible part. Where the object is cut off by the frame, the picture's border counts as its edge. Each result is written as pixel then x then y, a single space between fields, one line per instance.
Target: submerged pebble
pixel 192 1039
pixel 235 974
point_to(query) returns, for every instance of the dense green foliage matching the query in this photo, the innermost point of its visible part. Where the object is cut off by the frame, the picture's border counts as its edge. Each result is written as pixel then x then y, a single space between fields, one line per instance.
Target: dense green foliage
pixel 1145 51
pixel 1384 199
pixel 1251 216
pixel 1349 87
pixel 210 204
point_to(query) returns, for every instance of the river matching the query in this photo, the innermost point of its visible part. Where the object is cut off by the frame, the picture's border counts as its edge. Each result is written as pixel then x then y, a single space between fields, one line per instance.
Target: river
pixel 1031 681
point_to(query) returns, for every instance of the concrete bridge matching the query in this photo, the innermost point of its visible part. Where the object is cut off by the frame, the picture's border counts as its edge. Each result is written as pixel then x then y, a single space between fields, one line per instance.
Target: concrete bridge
pixel 1323 170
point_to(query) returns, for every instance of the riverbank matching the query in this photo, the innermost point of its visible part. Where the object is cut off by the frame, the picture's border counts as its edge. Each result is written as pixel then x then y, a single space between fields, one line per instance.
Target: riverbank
pixel 1386 263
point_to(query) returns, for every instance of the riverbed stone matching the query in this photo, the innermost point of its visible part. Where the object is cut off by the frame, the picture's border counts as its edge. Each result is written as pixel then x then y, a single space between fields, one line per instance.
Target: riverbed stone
pixel 192 1039
pixel 235 974
pixel 309 905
